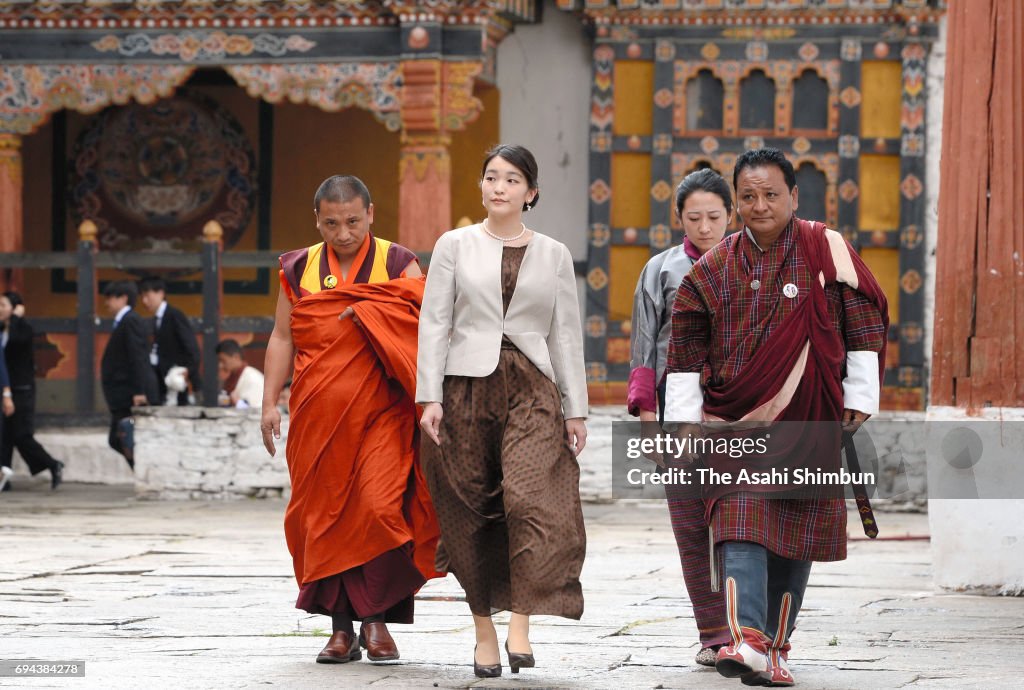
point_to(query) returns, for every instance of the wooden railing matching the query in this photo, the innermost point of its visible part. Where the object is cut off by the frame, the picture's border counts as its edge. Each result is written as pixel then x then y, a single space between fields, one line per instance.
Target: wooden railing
pixel 87 260
pixel 210 260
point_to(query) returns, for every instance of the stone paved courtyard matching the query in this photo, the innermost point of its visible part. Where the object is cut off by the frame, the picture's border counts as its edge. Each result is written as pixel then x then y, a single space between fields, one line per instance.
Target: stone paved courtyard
pixel 200 595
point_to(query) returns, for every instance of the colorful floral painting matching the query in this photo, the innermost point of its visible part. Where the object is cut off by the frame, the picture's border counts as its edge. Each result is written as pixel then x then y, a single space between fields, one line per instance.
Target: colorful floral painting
pixel 151 176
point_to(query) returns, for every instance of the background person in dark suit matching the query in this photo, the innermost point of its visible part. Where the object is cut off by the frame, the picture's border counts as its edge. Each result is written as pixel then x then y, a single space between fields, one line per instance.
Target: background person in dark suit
pixel 128 379
pixel 8 410
pixel 174 342
pixel 19 428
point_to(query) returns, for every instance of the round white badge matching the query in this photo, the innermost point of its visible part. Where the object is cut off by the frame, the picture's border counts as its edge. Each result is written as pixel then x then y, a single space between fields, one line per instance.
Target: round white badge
pixel 789 290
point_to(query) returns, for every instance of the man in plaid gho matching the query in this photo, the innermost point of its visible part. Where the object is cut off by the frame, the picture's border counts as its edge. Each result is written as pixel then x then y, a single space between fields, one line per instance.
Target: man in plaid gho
pixel 780 322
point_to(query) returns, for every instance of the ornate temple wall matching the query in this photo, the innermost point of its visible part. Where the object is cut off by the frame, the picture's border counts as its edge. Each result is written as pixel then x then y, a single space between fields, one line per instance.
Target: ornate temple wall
pixel 467 153
pixel 844 98
pixel 299 144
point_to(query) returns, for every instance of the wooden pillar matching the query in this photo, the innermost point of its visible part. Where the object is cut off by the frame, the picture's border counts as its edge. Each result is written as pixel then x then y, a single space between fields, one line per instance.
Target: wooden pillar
pixel 978 350
pixel 783 101
pixel 85 377
pixel 424 194
pixel 731 106
pixel 212 294
pixel 437 99
pixel 424 176
pixel 11 221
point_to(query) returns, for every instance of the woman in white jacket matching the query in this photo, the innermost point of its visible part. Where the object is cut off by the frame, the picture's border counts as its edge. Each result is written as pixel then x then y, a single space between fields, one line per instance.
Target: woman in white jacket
pixel 501 378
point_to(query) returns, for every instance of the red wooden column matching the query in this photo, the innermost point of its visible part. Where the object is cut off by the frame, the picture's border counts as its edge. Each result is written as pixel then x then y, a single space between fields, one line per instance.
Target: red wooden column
pixel 424 194
pixel 978 352
pixel 11 220
pixel 424 176
pixel 437 99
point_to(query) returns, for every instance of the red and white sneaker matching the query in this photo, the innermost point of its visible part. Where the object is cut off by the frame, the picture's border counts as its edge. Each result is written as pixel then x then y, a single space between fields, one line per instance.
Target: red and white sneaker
pixel 744 662
pixel 781 677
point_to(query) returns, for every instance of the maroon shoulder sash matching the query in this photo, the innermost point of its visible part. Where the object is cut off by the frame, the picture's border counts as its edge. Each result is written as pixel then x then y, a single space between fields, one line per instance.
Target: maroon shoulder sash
pixel 818 397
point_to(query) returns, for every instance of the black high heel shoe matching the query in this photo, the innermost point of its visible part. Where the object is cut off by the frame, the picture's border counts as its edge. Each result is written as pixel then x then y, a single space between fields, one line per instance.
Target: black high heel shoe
pixel 517 661
pixel 486 671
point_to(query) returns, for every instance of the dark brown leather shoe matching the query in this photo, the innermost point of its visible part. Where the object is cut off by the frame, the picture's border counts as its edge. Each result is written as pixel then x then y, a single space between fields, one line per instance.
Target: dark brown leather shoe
pixel 377 641
pixel 342 648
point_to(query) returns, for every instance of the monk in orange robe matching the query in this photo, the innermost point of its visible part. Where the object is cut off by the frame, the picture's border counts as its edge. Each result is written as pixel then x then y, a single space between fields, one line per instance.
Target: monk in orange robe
pixel 360 525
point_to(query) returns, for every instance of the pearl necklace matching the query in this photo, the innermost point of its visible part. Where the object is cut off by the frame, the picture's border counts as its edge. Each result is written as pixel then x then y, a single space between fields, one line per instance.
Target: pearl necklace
pixel 504 239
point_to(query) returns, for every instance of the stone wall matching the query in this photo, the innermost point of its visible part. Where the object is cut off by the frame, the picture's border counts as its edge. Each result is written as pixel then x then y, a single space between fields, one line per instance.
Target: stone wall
pixel 206 453
pixel 86 456
pixel 900 471
pixel 198 453
pixel 977 544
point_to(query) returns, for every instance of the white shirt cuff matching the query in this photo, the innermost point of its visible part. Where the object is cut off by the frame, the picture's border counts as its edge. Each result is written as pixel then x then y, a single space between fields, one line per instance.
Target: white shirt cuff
pixel 861 391
pixel 684 398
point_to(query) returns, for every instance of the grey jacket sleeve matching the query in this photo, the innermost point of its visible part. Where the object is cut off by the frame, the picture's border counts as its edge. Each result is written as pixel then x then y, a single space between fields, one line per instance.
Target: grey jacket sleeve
pixel 646 323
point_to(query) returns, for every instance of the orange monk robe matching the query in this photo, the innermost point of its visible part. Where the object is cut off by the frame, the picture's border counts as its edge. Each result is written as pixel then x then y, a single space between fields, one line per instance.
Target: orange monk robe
pixel 357 487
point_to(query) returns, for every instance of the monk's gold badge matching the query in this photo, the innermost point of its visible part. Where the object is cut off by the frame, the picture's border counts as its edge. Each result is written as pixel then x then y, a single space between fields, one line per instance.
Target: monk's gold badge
pixel 330 282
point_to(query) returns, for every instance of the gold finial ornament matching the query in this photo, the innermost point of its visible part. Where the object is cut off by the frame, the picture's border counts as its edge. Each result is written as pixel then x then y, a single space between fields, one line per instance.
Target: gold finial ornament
pixel 212 231
pixel 87 231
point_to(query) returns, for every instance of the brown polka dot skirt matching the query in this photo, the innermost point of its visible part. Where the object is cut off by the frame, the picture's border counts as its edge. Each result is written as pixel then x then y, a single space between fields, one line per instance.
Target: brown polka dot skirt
pixel 505 486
